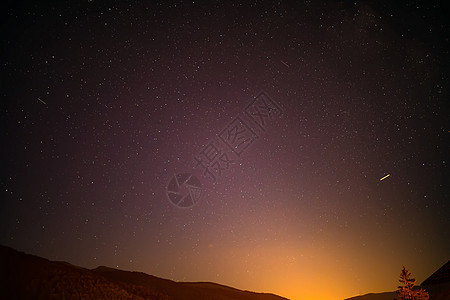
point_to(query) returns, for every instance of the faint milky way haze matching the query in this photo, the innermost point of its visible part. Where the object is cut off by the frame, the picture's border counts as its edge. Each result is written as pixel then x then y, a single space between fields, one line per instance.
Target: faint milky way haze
pixel 323 123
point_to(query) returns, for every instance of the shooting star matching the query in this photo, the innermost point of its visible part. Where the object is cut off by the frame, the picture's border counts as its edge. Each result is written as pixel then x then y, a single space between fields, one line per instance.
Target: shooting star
pixel 41 100
pixel 385 177
pixel 285 64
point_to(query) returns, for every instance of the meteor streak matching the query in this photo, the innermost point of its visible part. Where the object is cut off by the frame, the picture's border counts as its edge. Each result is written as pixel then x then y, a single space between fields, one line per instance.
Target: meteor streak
pixel 285 64
pixel 385 177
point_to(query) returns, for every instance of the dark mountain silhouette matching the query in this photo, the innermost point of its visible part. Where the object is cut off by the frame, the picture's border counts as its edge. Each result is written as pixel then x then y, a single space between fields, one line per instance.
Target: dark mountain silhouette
pixel 437 286
pixel 442 275
pixel 24 276
pixel 180 290
pixel 376 296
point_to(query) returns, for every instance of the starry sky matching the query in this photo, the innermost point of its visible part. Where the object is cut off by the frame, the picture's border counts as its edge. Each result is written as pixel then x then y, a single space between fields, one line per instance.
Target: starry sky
pixel 286 114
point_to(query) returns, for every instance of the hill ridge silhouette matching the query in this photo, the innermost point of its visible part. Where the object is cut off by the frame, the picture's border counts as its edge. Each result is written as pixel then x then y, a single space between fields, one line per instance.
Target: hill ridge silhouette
pixel 26 276
pixel 437 285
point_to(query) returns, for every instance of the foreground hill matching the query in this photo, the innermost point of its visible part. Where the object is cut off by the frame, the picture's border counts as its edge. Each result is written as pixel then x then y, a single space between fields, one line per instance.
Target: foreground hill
pixel 437 286
pixel 24 276
pixel 436 292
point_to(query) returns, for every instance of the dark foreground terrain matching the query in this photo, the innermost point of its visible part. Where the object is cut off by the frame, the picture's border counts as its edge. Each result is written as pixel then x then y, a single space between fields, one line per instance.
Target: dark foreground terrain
pixel 24 276
pixel 437 286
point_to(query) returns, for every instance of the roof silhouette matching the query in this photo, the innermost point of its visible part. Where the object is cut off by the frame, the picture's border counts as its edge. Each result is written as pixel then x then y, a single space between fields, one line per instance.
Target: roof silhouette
pixel 442 275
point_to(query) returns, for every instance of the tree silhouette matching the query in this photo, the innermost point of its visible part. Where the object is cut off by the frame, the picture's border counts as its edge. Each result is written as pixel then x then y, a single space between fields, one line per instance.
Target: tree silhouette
pixel 406 290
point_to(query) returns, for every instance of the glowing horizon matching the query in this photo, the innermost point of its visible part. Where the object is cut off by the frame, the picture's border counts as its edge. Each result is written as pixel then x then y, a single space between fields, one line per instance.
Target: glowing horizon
pixel 299 149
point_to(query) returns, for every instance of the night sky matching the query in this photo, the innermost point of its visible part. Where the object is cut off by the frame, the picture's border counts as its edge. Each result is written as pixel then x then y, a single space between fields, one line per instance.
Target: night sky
pixel 278 119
